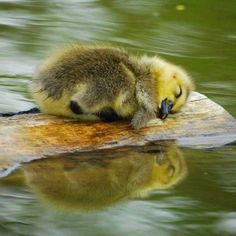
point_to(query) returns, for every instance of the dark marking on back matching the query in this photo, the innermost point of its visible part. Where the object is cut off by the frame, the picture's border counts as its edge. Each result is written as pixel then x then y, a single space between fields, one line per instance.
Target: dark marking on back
pixel 108 114
pixel 75 108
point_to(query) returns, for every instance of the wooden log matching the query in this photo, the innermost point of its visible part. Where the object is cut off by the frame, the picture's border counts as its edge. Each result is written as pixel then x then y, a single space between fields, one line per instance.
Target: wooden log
pixel 201 124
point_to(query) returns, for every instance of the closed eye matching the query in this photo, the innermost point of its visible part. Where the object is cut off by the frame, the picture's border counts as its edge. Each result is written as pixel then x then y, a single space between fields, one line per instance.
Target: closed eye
pixel 179 92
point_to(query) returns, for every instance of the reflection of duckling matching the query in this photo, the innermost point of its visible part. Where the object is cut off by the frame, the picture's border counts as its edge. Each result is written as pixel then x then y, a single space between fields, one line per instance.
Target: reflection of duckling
pixel 93 181
pixel 169 168
pixel 87 82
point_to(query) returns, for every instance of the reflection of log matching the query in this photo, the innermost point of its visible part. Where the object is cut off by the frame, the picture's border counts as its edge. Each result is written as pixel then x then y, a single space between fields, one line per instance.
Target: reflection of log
pixel 202 123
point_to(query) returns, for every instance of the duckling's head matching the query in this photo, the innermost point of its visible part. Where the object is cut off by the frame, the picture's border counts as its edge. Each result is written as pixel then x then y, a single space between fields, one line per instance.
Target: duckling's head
pixel 173 87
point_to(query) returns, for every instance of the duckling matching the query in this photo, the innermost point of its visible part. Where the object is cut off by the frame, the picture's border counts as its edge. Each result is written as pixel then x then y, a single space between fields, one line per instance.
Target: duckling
pixel 92 82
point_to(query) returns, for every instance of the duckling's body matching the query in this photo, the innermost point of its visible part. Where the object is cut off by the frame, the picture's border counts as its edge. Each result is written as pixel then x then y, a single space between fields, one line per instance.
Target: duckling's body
pixel 92 82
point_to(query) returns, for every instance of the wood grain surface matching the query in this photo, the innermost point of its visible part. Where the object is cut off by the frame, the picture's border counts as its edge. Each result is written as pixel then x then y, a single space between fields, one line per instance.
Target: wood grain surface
pixel 201 124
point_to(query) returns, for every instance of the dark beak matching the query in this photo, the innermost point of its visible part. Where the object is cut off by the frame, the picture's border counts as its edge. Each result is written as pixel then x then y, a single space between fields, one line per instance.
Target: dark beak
pixel 165 109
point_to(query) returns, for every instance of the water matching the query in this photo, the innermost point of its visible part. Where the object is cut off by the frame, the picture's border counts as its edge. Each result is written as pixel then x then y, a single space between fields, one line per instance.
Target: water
pixel 200 36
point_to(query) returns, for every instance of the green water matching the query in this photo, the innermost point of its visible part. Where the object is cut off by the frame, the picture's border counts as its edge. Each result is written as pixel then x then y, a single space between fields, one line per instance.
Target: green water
pixel 201 37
